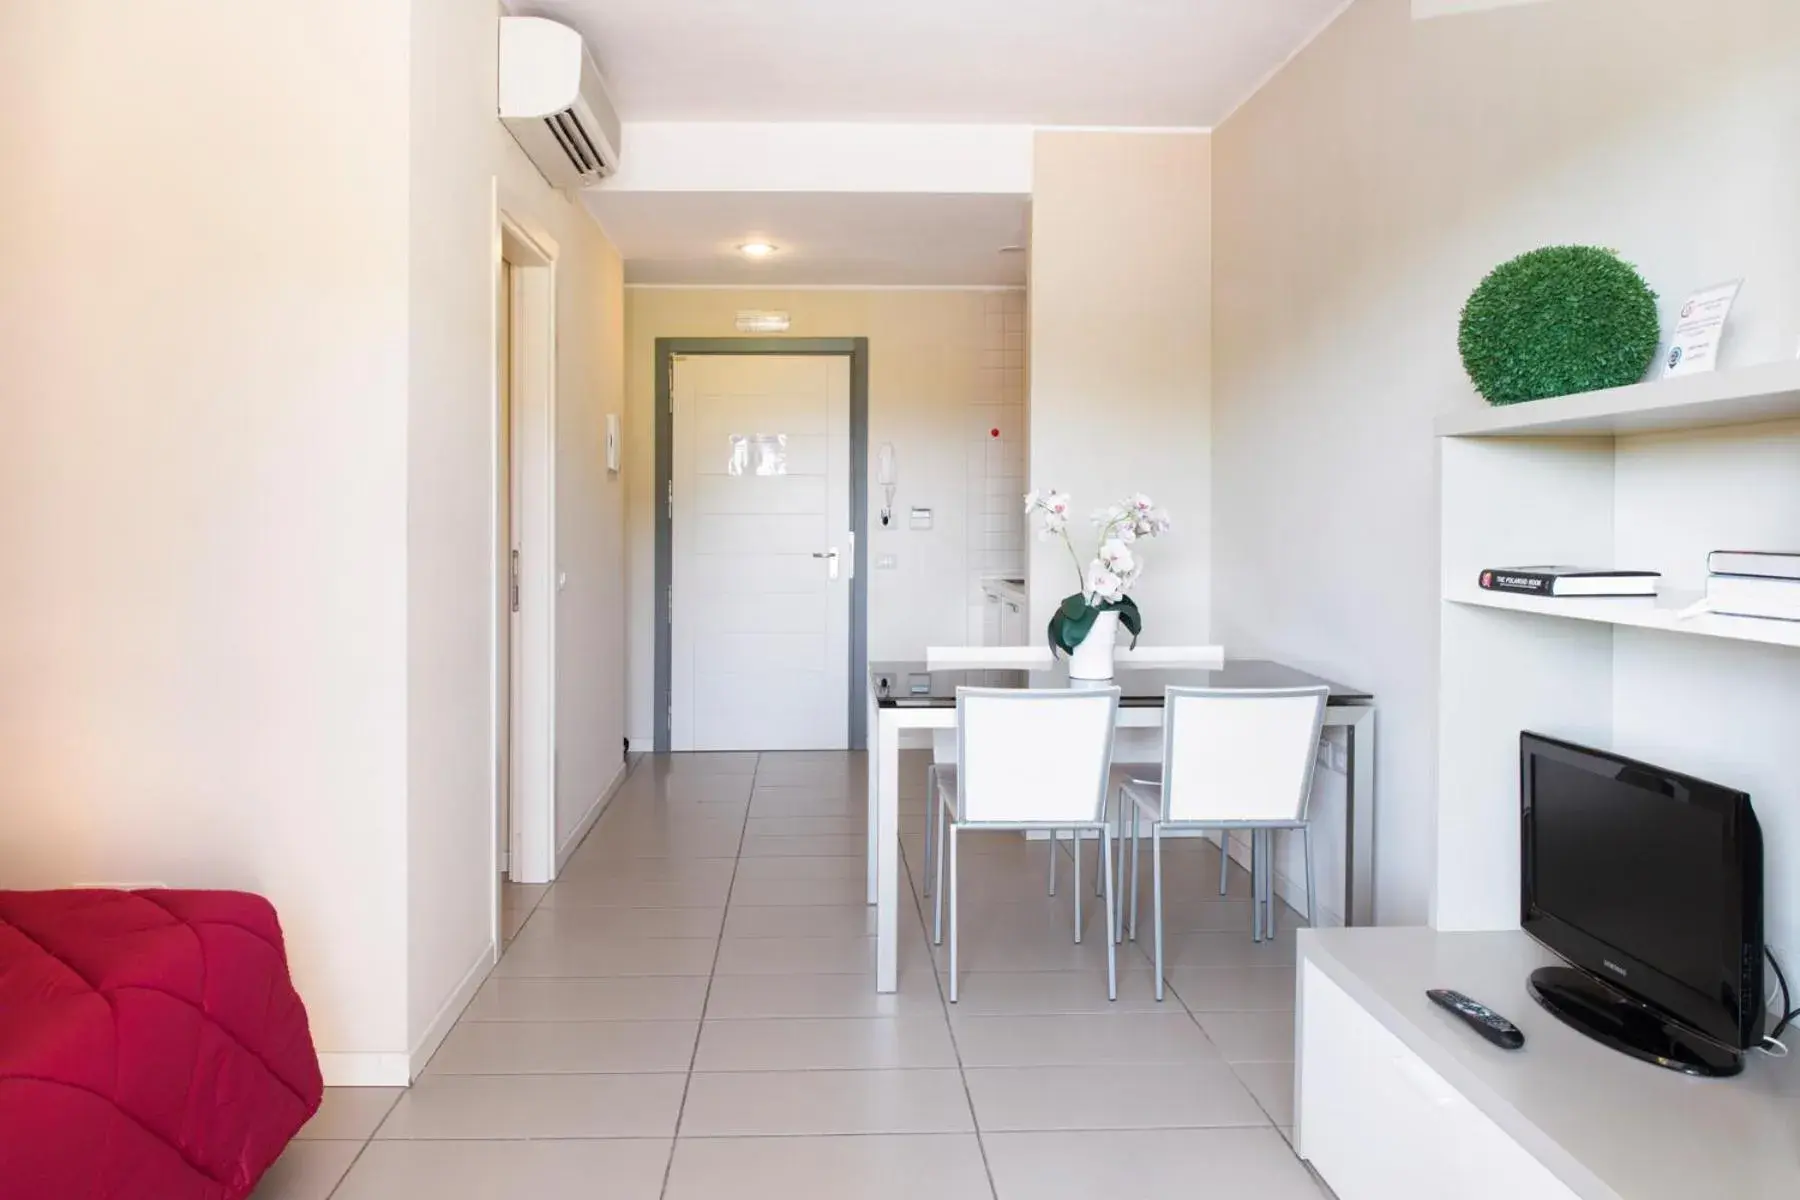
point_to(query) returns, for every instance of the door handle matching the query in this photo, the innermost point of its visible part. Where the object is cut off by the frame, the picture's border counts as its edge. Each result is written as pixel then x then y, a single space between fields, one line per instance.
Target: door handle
pixel 831 560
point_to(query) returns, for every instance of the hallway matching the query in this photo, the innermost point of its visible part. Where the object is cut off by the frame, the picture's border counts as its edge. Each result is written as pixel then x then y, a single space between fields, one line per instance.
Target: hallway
pixel 690 1014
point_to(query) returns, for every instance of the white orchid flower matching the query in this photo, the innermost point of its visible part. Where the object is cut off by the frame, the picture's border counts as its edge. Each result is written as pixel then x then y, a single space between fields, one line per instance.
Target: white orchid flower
pixel 1032 499
pixel 1102 584
pixel 1116 556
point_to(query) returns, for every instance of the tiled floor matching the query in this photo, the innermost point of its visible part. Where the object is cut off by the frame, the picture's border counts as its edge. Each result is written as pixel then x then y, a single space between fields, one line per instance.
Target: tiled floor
pixel 690 1014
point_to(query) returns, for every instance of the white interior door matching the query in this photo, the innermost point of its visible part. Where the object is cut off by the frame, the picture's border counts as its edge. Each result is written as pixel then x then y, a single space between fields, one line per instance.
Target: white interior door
pixel 760 602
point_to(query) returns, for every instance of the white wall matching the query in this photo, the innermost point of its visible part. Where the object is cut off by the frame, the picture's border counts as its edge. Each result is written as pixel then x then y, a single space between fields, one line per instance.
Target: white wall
pixel 939 381
pixel 203 617
pixel 1121 357
pixel 247 631
pixel 1360 197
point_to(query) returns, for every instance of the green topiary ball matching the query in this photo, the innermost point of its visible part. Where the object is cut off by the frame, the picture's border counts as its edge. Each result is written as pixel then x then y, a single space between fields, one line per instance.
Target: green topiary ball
pixel 1557 321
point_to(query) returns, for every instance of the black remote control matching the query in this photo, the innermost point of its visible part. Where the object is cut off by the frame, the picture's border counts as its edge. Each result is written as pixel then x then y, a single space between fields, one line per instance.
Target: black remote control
pixel 1482 1019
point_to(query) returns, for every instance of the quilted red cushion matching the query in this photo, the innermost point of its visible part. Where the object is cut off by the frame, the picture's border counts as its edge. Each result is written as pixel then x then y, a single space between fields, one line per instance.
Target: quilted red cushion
pixel 151 1045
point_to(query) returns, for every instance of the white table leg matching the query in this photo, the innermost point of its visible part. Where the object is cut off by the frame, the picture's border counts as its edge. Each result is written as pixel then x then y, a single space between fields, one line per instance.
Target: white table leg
pixel 872 727
pixel 1359 819
pixel 886 827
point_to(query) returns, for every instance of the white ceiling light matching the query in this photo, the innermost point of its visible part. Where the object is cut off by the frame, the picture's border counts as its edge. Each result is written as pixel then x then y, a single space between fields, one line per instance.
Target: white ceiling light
pixel 757 249
pixel 751 320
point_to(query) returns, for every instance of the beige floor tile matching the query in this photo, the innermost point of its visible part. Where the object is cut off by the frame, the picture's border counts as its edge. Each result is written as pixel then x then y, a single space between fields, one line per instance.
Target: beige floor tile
pixel 779 1103
pixel 755 997
pixel 455 1107
pixel 1001 993
pixel 566 1048
pixel 1272 1083
pixel 625 893
pixel 627 922
pixel 707 762
pixel 1251 1037
pixel 307 1170
pixel 883 1167
pixel 1197 1162
pixel 813 956
pixel 768 845
pixel 1103 1039
pixel 982 950
pixel 349 1114
pixel 713 844
pixel 1225 948
pixel 751 892
pixel 806 826
pixel 644 998
pixel 807 800
pixel 701 871
pixel 844 867
pixel 825 920
pixel 1233 989
pixel 603 958
pixel 617 1170
pixel 1191 1095
pixel 826 1044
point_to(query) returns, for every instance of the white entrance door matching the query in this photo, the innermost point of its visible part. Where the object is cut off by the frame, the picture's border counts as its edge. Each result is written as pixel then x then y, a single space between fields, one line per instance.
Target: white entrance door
pixel 760 603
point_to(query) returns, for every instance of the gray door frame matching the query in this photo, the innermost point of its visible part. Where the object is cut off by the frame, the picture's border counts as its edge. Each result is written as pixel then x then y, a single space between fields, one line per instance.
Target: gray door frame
pixel 857 351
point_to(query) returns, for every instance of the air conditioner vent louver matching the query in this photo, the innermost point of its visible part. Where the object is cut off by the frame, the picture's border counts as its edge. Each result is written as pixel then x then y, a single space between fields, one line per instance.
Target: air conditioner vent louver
pixel 554 102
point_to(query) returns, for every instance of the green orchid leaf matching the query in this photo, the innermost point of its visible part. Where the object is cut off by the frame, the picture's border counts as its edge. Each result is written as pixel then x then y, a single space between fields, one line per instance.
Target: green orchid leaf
pixel 1074 607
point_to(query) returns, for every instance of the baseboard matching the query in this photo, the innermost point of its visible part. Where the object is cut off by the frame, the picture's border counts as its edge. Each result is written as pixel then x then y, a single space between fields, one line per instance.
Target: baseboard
pixel 584 826
pixel 365 1070
pixel 446 1018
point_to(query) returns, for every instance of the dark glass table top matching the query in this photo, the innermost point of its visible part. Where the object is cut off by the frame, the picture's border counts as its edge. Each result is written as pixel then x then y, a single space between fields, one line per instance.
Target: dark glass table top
pixel 911 685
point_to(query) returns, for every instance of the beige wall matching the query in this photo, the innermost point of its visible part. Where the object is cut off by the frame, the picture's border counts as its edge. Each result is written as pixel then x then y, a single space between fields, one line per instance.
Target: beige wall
pixel 1360 197
pixel 458 152
pixel 203 623
pixel 1121 315
pixel 245 632
pixel 938 383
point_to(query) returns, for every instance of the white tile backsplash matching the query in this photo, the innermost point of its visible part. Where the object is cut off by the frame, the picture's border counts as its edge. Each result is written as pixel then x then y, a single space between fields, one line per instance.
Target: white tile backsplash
pixel 996 527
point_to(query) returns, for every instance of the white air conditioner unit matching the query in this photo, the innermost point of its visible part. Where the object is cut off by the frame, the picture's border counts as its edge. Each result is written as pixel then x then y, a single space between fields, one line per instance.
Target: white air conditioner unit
pixel 554 102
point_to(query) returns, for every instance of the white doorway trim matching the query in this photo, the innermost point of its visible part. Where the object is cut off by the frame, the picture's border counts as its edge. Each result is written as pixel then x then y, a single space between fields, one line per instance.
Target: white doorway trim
pixel 529 695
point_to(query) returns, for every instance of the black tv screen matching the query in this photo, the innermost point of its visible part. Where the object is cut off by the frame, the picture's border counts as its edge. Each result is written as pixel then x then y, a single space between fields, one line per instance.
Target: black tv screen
pixel 1647 879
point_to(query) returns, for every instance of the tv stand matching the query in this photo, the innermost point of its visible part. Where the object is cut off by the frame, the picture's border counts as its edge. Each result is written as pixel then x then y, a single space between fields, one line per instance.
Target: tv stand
pixel 1399 1100
pixel 1628 1026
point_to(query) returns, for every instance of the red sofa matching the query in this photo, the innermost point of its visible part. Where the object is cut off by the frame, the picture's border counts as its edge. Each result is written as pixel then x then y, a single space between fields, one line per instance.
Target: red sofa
pixel 152 1046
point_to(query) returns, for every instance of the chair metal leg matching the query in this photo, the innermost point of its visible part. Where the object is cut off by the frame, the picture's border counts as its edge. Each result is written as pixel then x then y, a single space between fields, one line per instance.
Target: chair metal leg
pixel 954 875
pixel 931 806
pixel 1156 899
pixel 1077 844
pixel 1098 842
pixel 1112 946
pixel 1270 896
pixel 937 907
pixel 1312 895
pixel 1224 859
pixel 1137 828
pixel 1053 853
pixel 1256 877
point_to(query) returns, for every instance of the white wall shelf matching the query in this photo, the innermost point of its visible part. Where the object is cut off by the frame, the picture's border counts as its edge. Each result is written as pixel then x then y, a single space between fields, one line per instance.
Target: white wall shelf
pixel 1661 612
pixel 1748 395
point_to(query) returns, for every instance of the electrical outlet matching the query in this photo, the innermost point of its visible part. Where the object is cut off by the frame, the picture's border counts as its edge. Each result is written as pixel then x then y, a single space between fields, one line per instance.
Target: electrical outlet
pixel 886 562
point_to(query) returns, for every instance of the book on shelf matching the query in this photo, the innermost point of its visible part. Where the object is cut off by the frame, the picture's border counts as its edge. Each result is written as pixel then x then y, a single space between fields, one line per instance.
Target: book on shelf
pixel 1753 596
pixel 1561 581
pixel 1764 564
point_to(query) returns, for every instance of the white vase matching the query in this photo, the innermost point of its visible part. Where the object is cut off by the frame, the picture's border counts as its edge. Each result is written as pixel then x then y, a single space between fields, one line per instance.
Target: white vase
pixel 1093 658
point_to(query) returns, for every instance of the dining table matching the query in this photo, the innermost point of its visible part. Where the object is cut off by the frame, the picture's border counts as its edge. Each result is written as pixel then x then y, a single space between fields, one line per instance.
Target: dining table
pixel 905 696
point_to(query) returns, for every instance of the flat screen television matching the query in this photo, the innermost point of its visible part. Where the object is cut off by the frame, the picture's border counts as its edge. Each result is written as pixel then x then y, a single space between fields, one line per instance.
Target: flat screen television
pixel 1649 883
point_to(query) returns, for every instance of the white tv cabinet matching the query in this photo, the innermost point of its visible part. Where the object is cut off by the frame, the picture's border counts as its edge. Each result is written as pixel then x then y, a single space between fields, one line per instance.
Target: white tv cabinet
pixel 1399 1100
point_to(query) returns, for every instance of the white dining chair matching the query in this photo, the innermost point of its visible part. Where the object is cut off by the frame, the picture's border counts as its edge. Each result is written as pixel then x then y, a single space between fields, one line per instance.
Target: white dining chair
pixel 971 658
pixel 1197 657
pixel 1235 758
pixel 1029 760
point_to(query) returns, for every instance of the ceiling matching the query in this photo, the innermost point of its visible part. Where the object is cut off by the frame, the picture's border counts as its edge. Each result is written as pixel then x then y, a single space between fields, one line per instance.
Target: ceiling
pixel 824 238
pixel 1039 62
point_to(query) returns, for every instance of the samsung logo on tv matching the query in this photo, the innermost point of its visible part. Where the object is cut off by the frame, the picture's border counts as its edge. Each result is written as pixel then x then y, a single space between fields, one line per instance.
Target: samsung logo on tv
pixel 1615 968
